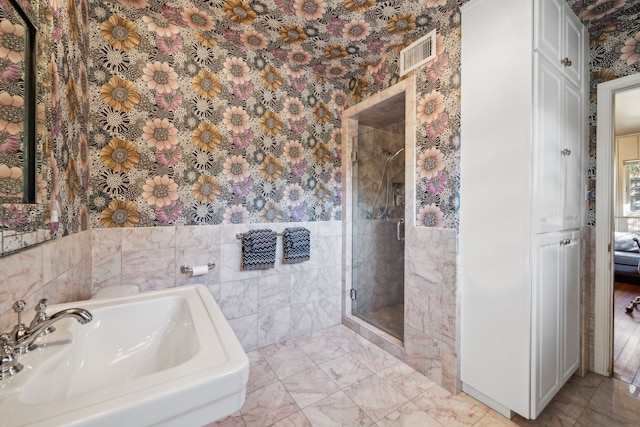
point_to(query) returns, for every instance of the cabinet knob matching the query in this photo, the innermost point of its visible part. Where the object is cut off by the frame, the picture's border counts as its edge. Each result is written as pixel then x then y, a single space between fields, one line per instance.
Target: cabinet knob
pixel 566 152
pixel 565 242
pixel 566 62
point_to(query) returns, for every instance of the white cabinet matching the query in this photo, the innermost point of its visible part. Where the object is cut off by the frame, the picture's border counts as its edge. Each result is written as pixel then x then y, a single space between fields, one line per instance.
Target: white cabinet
pixel 521 200
pixel 556 314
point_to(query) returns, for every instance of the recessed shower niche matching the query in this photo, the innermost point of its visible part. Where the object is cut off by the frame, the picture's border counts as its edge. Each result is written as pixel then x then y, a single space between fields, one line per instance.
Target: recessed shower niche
pixel 378 210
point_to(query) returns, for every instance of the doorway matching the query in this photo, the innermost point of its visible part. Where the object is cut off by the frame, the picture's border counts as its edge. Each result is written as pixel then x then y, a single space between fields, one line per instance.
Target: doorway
pixel 605 185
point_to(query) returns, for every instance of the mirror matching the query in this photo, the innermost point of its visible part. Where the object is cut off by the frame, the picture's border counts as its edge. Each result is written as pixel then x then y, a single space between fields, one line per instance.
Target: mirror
pixel 23 190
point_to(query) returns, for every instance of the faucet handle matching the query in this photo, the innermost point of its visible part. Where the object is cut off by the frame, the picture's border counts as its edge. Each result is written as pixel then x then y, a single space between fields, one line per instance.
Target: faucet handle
pixel 19 330
pixel 9 364
pixel 41 316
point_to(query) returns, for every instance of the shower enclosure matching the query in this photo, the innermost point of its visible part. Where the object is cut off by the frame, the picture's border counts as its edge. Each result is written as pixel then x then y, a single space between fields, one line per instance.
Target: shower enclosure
pixel 378 194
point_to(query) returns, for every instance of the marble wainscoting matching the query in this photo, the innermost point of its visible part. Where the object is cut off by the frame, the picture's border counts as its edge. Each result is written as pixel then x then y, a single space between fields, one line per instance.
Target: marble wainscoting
pixel 432 311
pixel 59 270
pixel 263 307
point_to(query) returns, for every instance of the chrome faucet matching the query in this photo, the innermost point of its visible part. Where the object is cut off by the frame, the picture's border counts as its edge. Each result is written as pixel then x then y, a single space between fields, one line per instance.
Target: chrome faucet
pixel 22 339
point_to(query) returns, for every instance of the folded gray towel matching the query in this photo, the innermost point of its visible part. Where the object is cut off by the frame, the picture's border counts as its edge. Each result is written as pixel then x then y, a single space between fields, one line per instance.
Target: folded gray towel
pixel 296 243
pixel 259 249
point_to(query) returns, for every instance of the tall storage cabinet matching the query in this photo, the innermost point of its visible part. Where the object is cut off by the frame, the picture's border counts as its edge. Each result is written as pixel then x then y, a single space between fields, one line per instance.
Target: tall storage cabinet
pixel 521 200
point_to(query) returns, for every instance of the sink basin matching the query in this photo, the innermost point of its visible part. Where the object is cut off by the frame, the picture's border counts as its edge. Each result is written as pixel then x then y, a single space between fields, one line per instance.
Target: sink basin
pixel 165 357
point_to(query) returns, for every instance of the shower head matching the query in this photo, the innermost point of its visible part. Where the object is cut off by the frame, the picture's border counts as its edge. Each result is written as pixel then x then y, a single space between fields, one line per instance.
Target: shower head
pixel 394 155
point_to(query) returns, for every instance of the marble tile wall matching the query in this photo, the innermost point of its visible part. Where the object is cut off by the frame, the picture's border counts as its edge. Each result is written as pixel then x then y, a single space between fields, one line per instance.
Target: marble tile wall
pixel 263 307
pixel 59 270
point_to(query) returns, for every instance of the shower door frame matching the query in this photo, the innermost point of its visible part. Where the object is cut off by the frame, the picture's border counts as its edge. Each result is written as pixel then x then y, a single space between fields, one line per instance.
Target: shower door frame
pixel 350 127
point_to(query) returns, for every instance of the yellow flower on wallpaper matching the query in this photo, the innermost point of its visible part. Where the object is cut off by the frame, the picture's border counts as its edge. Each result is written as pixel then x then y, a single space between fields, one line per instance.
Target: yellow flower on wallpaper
pixel 120 155
pixel 160 191
pixel 321 112
pixel 72 16
pixel 206 136
pixel 72 181
pixel 360 6
pixel 72 99
pixel 335 52
pixel 206 189
pixel 271 78
pixel 120 94
pixel 359 89
pixel 206 84
pixel 321 153
pixel 292 34
pixel 120 213
pixel 271 123
pixel 207 39
pixel 239 12
pixel 401 24
pixel 120 33
pixel 271 168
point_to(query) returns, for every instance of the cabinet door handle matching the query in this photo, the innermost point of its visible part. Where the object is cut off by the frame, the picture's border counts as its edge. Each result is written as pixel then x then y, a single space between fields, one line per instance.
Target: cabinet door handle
pixel 566 152
pixel 565 242
pixel 566 62
pixel 399 225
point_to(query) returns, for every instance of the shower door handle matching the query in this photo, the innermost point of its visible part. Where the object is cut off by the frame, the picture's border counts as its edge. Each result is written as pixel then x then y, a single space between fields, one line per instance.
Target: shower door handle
pixel 399 225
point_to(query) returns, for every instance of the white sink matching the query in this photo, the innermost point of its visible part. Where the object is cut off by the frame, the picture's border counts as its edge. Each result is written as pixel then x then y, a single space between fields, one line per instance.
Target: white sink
pixel 164 357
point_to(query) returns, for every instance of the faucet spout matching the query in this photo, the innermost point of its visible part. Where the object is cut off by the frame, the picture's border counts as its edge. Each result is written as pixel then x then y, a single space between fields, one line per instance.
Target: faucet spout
pixel 26 343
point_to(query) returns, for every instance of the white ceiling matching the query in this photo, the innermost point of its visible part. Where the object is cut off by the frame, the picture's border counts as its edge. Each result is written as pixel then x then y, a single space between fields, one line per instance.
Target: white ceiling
pixel 627 111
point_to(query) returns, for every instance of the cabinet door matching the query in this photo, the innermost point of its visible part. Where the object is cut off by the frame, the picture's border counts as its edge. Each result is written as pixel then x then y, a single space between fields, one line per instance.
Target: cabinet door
pixel 571 156
pixel 548 29
pixel 572 54
pixel 545 369
pixel 548 173
pixel 570 334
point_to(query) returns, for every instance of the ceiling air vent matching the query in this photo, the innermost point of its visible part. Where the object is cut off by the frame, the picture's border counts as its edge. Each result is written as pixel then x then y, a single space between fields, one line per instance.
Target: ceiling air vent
pixel 417 53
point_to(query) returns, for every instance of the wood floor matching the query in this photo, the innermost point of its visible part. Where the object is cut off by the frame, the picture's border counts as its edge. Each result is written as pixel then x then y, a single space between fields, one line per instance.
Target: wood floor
pixel 626 328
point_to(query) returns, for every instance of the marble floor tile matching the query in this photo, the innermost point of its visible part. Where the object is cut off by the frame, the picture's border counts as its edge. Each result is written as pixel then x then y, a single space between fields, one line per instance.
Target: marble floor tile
pixel 337 410
pixel 295 420
pixel 376 398
pixel 449 409
pixel 320 348
pixel 299 383
pixel 309 386
pixel 267 405
pixel 346 370
pixel 286 359
pixel 407 416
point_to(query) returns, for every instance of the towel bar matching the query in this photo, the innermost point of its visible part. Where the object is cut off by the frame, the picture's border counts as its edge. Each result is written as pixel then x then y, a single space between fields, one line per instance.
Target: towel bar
pixel 240 235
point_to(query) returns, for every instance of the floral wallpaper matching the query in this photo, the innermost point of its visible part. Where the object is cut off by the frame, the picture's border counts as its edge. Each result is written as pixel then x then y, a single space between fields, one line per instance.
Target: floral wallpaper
pixel 191 112
pixel 614 51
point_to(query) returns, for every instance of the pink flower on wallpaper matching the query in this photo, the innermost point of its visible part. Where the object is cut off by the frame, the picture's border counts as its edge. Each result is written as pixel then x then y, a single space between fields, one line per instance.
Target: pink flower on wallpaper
pixel 9 71
pixel 242 139
pixel 381 73
pixel 430 162
pixel 430 216
pixel 437 184
pixel 160 191
pixel 285 5
pixel 294 71
pixel 299 169
pixel 169 213
pixel 339 99
pixel 233 37
pixel 437 125
pixel 236 214
pixel 236 168
pixel 280 54
pixel 242 188
pixel 356 30
pixel 434 3
pixel 236 70
pixel 294 152
pixel 160 133
pixel 9 143
pixel 375 46
pixel 335 26
pixel 310 9
pixel 631 50
pixel 173 15
pixel 436 68
pixel 160 76
pixel 293 108
pixel 299 83
pixel 293 194
pixel 431 106
pixel 169 157
pixel 169 45
pixel 243 91
pixel 236 119
pixel 299 126
pixel 14 217
pixel 169 101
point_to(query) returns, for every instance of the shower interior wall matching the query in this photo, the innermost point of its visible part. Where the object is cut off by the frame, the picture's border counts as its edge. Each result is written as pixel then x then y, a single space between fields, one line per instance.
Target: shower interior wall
pixel 378 262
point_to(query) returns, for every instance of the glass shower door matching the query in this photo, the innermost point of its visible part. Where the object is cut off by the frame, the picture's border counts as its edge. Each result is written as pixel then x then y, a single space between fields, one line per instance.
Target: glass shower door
pixel 378 228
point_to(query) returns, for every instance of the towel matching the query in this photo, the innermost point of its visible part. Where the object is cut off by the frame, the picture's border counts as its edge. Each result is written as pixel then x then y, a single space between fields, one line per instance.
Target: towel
pixel 259 249
pixel 296 245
